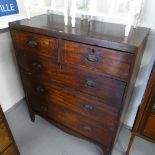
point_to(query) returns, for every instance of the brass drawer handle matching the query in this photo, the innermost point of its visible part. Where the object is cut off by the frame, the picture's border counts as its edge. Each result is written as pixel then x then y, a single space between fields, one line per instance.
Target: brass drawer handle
pixel 40 89
pixel 32 43
pixel 93 58
pixel 37 66
pixel 88 107
pixel 90 83
pixel 87 128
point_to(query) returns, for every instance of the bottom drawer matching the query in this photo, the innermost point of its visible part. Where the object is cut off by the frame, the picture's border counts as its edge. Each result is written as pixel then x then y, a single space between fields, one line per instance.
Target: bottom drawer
pixel 76 122
pixel 11 150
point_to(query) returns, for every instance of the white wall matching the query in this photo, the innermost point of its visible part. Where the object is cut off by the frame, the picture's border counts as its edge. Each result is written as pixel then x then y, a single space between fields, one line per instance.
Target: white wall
pixel 147 20
pixel 10 85
pixel 143 76
pixel 11 90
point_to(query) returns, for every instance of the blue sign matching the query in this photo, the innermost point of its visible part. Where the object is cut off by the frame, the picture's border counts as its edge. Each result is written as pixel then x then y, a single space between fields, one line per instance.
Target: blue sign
pixel 8 7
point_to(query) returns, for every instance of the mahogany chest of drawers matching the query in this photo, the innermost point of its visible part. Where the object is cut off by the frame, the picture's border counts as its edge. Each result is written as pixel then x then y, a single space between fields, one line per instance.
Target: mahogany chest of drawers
pixel 7 144
pixel 82 78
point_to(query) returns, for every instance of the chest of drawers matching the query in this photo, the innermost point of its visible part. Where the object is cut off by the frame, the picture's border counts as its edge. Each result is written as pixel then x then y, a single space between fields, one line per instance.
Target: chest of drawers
pixel 7 144
pixel 82 78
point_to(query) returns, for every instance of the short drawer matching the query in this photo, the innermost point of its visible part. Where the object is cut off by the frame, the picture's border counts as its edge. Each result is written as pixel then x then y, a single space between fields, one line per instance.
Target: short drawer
pixel 5 139
pixel 87 127
pixel 34 43
pixel 36 64
pixel 108 89
pixel 86 105
pixel 114 63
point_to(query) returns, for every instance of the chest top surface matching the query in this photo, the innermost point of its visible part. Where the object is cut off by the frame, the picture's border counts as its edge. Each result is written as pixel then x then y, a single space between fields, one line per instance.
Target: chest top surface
pixel 98 33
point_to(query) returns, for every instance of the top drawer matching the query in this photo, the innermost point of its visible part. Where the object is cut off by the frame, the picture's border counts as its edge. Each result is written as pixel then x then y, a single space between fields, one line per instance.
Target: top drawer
pixel 102 60
pixel 33 43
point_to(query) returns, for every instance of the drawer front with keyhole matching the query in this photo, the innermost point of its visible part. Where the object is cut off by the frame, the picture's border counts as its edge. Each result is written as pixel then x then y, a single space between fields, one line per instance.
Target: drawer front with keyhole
pixel 111 62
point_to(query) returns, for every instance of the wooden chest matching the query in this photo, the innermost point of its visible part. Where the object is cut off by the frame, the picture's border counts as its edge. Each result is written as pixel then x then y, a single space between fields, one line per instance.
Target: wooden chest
pixel 144 125
pixel 82 78
pixel 7 144
pixel 147 122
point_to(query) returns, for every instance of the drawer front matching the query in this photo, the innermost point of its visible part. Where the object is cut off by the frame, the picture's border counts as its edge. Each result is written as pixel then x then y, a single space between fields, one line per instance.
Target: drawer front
pixel 5 139
pixel 33 43
pixel 149 128
pixel 81 124
pixel 86 105
pixel 35 64
pixel 102 60
pixel 11 150
pixel 87 127
pixel 110 90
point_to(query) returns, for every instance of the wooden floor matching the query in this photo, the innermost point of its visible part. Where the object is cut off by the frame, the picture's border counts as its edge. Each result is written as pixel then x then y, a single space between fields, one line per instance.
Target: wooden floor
pixel 42 138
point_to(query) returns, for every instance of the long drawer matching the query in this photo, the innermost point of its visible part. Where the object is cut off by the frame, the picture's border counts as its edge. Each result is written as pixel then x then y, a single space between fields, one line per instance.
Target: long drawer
pixel 110 90
pixel 114 63
pixel 75 121
pixel 86 105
